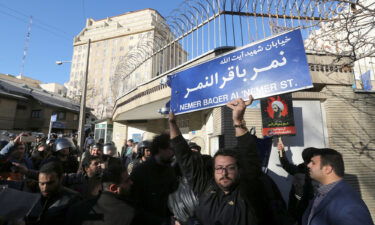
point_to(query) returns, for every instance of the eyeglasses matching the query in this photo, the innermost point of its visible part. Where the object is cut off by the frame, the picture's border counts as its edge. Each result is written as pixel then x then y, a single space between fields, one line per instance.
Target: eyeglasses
pixel 228 169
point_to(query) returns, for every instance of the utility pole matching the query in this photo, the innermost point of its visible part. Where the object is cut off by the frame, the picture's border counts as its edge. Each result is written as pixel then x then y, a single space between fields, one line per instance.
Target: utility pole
pixel 82 111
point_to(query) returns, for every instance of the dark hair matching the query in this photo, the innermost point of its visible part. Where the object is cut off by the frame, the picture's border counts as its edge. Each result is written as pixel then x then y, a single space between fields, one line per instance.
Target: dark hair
pixel 308 153
pixel 113 174
pixel 87 160
pixel 161 141
pixel 101 141
pixel 52 167
pixel 14 147
pixel 333 158
pixel 227 152
pixel 97 145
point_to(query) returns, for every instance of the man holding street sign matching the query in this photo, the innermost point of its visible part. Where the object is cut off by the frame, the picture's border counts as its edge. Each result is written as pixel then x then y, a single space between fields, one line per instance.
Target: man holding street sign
pixel 234 193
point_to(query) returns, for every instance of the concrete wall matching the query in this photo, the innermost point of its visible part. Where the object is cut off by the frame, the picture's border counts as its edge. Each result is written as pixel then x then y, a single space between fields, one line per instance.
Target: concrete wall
pixel 119 135
pixel 351 130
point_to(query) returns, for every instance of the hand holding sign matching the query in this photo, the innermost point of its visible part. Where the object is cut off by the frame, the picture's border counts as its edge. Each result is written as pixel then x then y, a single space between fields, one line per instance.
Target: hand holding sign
pixel 238 106
pixel 280 147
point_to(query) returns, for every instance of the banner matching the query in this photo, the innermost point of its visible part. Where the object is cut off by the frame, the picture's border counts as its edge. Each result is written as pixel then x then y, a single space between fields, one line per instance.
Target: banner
pixel 277 115
pixel 274 66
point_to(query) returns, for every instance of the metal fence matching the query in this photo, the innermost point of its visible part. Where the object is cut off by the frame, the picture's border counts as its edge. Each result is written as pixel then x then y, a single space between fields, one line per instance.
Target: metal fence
pixel 198 26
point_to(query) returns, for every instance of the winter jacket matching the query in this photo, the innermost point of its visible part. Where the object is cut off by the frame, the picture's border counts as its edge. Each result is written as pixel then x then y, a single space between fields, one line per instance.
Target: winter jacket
pixel 107 209
pixel 53 210
pixel 245 204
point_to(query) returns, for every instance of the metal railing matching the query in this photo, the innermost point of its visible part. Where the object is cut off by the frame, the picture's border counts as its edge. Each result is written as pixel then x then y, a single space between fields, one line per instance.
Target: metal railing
pixel 199 26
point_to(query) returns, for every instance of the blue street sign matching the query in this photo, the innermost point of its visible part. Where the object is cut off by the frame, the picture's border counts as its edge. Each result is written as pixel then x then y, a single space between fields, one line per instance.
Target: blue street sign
pixel 274 66
pixel 58 124
pixel 53 117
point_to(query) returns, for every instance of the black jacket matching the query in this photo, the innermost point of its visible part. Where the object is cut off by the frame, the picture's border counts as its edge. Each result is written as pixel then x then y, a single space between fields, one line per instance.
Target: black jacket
pixel 244 205
pixel 53 210
pixel 152 183
pixel 88 187
pixel 107 209
pixel 302 190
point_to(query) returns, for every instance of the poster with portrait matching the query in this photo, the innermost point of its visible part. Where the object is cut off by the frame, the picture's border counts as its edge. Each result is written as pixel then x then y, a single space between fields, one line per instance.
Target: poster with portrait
pixel 277 115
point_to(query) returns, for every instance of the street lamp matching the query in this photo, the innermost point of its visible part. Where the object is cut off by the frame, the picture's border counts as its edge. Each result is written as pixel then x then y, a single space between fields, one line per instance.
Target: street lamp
pixel 82 108
pixel 62 62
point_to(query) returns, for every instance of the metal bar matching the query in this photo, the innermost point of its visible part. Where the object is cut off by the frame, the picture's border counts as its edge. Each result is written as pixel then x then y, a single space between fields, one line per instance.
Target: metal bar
pixel 255 19
pixel 234 36
pixel 248 22
pixel 241 31
pixel 264 29
pixel 197 37
pixel 226 32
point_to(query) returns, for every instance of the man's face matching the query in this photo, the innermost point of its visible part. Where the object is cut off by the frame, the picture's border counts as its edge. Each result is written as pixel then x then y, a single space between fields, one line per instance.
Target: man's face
pixel 147 152
pixel 18 152
pixel 129 143
pixel 96 152
pixel 126 184
pixel 93 168
pixel 315 168
pixel 49 184
pixel 226 172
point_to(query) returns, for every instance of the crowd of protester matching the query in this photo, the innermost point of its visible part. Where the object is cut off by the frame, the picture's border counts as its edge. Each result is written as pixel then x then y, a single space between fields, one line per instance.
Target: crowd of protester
pixel 168 181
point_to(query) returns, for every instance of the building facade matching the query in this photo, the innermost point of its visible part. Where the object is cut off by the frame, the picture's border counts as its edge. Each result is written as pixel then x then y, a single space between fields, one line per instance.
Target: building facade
pixel 26 108
pixel 113 68
pixel 55 88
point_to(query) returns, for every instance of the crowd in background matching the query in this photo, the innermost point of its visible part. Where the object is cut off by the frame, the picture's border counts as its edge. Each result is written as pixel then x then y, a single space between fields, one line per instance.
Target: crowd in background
pixel 167 181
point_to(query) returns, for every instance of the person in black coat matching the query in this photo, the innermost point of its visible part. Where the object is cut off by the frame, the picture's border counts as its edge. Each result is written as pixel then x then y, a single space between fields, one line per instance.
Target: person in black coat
pixel 302 190
pixel 55 199
pixel 153 181
pixel 112 206
pixel 234 193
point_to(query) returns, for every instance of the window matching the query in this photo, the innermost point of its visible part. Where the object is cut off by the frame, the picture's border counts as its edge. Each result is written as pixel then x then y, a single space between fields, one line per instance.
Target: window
pixel 36 113
pixel 75 117
pixel 61 115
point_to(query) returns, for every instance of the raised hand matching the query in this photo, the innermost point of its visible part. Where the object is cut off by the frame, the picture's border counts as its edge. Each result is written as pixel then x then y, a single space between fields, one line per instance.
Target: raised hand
pixel 239 106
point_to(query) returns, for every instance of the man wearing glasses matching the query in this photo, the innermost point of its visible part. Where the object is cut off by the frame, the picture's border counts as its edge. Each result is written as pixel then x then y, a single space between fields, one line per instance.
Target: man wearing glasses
pixel 233 194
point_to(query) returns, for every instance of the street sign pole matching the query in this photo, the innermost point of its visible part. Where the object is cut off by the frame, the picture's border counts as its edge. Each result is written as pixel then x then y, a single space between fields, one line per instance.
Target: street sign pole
pixel 53 119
